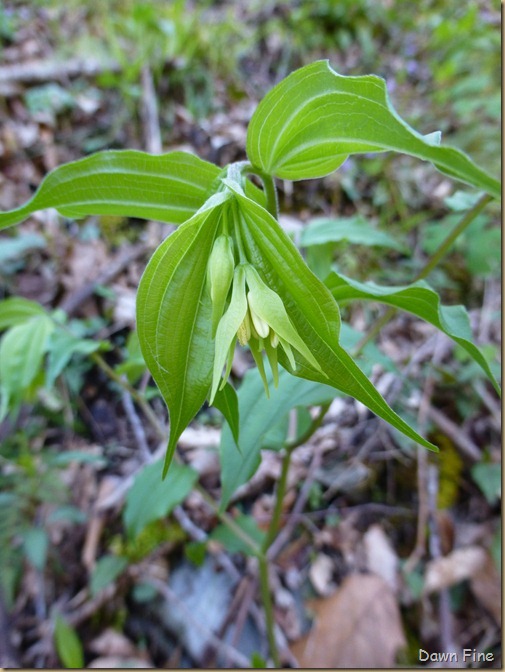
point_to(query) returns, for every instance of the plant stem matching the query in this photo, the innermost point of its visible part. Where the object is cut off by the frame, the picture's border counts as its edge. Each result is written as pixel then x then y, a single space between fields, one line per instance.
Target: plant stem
pixel 273 530
pixel 455 233
pixel 269 187
pixel 266 598
pixel 434 260
pixel 139 398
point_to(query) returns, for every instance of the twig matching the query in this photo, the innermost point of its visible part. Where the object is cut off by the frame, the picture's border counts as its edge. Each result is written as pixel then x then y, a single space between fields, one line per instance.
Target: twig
pixel 455 433
pixel 8 656
pixel 44 71
pixel 444 605
pixel 136 424
pixel 286 532
pixel 73 301
pixel 149 112
pixel 222 647
pixel 422 465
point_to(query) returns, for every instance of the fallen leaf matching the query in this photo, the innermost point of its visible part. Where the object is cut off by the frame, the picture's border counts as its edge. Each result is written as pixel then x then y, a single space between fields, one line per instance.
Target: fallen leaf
pixel 381 557
pixel 112 643
pixel 461 564
pixel 486 586
pixel 358 626
pixel 321 574
pixel 114 662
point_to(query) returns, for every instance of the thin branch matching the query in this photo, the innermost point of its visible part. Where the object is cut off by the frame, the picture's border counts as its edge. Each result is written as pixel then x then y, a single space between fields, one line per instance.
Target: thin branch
pixel 149 112
pixel 73 301
pixel 222 647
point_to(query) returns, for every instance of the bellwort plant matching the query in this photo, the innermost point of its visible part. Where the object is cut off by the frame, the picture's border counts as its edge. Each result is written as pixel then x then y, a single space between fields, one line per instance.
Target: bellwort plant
pixel 230 275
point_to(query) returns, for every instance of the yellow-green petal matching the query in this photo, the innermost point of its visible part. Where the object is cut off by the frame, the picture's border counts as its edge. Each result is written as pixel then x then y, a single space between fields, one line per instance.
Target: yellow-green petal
pixel 228 327
pixel 270 308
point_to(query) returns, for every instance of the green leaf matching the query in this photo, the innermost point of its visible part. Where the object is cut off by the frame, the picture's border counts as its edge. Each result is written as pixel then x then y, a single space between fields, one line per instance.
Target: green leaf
pixel 35 543
pixel 420 300
pixel 309 123
pixel 232 542
pixel 12 248
pixel 488 478
pixel 134 365
pixel 355 230
pixel 68 645
pixel 258 415
pixel 17 310
pixel 106 570
pixel 21 351
pixel 226 401
pixel 167 187
pixel 151 497
pixel 313 312
pixel 62 346
pixel 174 319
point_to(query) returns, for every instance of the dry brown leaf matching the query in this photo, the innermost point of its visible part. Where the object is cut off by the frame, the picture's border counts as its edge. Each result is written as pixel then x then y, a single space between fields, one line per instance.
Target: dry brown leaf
pixel 486 586
pixel 461 564
pixel 113 643
pixel 114 662
pixel 321 574
pixel 381 557
pixel 358 626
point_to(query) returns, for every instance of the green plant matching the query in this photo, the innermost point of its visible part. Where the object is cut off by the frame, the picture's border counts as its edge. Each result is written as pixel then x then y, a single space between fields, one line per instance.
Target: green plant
pixel 229 272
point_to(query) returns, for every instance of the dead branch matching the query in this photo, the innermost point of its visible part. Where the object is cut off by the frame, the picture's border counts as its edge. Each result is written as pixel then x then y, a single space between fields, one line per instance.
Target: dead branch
pixel 52 69
pixel 73 301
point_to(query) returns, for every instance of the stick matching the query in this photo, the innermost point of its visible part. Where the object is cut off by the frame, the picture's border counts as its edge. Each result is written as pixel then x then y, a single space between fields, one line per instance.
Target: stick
pixel 72 302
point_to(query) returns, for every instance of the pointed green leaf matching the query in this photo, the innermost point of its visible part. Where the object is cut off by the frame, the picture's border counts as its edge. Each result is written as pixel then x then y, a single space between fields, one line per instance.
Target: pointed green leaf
pixel 309 123
pixel 226 401
pixel 258 415
pixel 420 300
pixel 22 349
pixel 17 310
pixel 68 644
pixel 355 230
pixel 106 571
pixel 62 346
pixel 313 312
pixel 174 319
pixel 151 498
pixel 166 187
pixel 36 543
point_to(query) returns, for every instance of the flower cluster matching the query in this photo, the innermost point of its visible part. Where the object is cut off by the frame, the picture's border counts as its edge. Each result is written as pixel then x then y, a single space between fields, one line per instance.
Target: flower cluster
pixel 255 315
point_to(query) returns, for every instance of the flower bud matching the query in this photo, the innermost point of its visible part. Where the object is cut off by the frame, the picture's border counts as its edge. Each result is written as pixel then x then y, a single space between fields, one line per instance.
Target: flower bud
pixel 220 275
pixel 260 325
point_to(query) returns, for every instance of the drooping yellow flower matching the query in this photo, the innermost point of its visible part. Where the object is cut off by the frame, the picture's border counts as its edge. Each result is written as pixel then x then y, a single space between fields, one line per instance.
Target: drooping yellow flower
pixel 255 316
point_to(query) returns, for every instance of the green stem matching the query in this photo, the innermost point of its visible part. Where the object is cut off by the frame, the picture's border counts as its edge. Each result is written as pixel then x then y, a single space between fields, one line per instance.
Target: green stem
pixel 273 530
pixel 434 260
pixel 139 398
pixel 269 187
pixel 453 235
pixel 266 598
